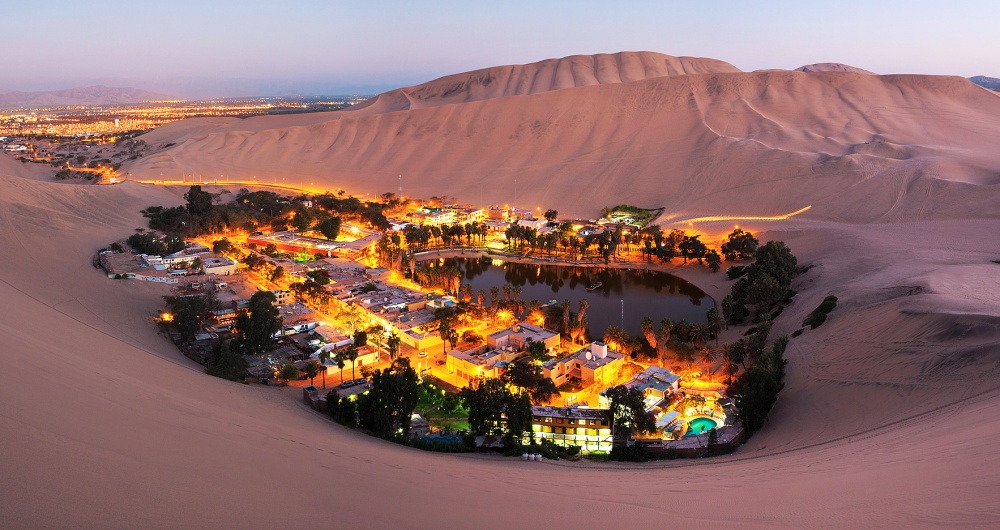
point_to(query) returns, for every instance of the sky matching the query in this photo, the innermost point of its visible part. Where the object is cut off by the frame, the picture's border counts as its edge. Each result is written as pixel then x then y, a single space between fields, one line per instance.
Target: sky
pixel 217 48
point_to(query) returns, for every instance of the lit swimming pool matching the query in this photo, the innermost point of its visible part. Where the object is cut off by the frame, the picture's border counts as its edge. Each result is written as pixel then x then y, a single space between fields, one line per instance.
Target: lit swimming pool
pixel 700 425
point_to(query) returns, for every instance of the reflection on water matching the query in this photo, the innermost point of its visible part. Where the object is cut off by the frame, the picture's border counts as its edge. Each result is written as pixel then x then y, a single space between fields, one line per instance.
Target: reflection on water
pixel 654 294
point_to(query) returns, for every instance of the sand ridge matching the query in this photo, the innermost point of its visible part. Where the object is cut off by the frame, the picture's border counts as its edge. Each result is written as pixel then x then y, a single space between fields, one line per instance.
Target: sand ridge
pixel 855 147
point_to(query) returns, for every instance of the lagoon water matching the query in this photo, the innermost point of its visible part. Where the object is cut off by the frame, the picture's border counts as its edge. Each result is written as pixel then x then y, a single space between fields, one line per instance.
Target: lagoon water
pixel 642 293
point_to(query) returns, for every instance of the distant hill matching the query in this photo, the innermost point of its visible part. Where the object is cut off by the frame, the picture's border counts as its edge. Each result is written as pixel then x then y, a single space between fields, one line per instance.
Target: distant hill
pixel 92 95
pixel 543 76
pixel 832 67
pixel 991 83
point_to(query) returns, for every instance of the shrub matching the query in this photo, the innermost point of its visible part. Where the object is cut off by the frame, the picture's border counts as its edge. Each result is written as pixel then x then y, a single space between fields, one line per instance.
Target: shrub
pixel 818 315
pixel 736 271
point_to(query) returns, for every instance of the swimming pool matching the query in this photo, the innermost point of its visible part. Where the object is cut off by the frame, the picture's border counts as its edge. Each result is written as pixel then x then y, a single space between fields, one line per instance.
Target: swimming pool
pixel 700 425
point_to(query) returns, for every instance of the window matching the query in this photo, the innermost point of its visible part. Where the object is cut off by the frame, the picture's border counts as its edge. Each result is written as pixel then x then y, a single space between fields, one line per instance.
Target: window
pixel 548 420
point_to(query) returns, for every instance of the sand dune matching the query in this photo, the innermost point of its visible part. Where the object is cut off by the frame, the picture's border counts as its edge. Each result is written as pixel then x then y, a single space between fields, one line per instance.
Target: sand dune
pixel 890 409
pixel 888 416
pixel 543 76
pixel 833 67
pixel 692 144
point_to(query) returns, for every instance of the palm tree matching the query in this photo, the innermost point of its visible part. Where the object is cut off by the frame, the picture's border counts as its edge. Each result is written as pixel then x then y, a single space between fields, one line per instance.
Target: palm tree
pixel 312 370
pixel 506 292
pixel 565 307
pixel 584 304
pixel 663 339
pixel 615 336
pixel 352 355
pixel 444 330
pixel 683 331
pixel 341 359
pixel 708 356
pixel 715 323
pixel 516 291
pixel 648 331
pixel 699 335
pixel 738 353
pixel 393 343
pixel 494 294
pixel 324 356
pixel 481 298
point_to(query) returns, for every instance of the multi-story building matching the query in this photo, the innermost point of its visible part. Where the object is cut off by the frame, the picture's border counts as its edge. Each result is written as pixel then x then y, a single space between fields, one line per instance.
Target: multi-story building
pixel 594 363
pixel 282 297
pixel 480 361
pixel 590 429
pixel 520 335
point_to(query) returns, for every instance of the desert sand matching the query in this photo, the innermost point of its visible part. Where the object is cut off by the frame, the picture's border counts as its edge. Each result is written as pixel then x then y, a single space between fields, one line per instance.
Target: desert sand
pixel 889 412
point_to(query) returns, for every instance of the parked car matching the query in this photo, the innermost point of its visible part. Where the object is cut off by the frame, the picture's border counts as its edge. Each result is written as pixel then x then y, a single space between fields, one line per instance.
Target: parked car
pixel 347 384
pixel 423 354
pixel 360 381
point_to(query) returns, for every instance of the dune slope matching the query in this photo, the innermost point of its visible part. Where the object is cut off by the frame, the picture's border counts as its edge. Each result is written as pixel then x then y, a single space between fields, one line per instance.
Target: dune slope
pixel 910 146
pixel 105 424
pixel 890 408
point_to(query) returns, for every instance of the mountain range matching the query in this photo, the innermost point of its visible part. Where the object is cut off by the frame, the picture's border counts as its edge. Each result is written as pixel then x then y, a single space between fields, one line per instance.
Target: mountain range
pixel 92 95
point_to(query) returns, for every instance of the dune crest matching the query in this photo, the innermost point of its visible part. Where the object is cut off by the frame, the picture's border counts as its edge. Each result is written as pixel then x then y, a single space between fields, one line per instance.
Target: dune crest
pixel 833 67
pixel 544 76
pixel 688 143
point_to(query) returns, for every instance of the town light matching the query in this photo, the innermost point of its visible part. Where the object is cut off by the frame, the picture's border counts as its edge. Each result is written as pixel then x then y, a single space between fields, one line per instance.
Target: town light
pixel 166 317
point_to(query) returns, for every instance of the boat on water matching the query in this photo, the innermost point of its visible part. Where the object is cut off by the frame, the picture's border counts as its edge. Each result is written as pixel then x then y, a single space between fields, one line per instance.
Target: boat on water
pixel 594 285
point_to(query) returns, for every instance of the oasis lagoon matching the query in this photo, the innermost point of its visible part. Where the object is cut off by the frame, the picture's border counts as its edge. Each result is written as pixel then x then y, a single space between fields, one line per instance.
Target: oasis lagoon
pixel 624 296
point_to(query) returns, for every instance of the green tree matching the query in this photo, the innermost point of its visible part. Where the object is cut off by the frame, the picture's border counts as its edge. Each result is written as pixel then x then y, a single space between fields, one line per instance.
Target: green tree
pixel 628 412
pixel 198 202
pixel 227 363
pixel 615 337
pixel 740 245
pixel 550 215
pixel 330 228
pixel 648 331
pixel 278 273
pixel 755 392
pixel 341 359
pixel 528 376
pixel 387 407
pixel 221 245
pixel 324 356
pixel 312 370
pixel 445 317
pixel 713 261
pixel 302 220
pixel 715 323
pixel 351 354
pixel 537 351
pixel 775 259
pixel 257 326
pixel 287 372
pixel 393 343
pixel 187 312
pixel 496 409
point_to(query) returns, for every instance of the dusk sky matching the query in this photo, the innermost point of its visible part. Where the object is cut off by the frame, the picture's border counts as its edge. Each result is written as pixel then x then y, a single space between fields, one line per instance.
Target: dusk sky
pixel 251 47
